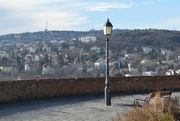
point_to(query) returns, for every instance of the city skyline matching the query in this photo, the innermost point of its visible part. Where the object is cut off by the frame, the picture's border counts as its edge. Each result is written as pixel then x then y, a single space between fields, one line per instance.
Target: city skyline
pixel 19 16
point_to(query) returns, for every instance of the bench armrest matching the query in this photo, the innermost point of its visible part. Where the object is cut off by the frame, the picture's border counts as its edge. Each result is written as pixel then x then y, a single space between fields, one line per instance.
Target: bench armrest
pixel 138 104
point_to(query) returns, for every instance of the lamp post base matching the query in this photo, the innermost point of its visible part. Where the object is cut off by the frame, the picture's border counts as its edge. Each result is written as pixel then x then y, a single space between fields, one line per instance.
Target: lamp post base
pixel 107 96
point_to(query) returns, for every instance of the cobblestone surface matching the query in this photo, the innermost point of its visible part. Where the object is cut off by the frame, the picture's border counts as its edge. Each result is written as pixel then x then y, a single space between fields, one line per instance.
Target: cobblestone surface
pixel 74 108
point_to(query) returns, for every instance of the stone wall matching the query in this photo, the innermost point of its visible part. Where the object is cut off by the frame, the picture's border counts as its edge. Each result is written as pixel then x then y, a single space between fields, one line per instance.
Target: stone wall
pixel 17 90
pixel 44 88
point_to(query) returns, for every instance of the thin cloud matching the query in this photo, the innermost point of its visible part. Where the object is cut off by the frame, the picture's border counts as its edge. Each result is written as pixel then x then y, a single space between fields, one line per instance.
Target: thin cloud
pixel 30 15
pixel 107 6
pixel 62 21
pixel 147 3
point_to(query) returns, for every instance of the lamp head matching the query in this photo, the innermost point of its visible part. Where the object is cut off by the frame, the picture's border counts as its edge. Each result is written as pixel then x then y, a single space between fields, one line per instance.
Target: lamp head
pixel 107 28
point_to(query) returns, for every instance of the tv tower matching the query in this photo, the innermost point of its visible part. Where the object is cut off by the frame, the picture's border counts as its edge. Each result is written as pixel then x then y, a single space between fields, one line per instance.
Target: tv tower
pixel 46 29
pixel 46 24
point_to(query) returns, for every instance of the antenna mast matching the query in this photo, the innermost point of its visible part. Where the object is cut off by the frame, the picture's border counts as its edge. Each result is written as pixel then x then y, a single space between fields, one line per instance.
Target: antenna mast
pixel 46 23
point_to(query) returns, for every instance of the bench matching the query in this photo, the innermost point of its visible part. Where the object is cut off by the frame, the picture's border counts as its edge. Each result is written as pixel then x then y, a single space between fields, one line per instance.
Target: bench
pixel 146 101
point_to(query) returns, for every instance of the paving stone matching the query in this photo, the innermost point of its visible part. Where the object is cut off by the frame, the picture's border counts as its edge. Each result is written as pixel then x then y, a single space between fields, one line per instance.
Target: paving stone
pixel 74 108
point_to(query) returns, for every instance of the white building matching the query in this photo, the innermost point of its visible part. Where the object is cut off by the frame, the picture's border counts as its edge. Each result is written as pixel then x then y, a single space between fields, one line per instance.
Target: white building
pixel 128 75
pixel 166 52
pixel 35 58
pixel 71 47
pixel 131 68
pixel 146 62
pixel 32 50
pixel 96 49
pixel 178 71
pixel 150 73
pixel 147 49
pixel 46 48
pixel 172 72
pixel 4 54
pixel 87 39
pixel 8 68
pixel 100 63
pixel 129 55
pixel 27 67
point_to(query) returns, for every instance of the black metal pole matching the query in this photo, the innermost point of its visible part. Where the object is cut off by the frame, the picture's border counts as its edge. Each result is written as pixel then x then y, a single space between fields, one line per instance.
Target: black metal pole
pixel 107 82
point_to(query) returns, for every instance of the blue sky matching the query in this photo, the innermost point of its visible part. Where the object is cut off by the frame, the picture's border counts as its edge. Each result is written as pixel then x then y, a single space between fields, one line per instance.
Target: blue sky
pixel 19 16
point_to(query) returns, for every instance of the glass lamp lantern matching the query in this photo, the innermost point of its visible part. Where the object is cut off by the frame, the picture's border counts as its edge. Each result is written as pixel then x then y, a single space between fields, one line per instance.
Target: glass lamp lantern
pixel 107 28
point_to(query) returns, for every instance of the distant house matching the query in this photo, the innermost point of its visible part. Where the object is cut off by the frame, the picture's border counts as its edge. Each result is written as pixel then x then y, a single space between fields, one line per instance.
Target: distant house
pixel 123 62
pixel 47 70
pixel 171 72
pixel 26 45
pixel 35 58
pixel 27 67
pixel 116 64
pixel 96 49
pixel 58 48
pixel 128 75
pixel 147 49
pixel 32 58
pixel 166 52
pixel 8 68
pixel 4 54
pixel 131 67
pixel 46 48
pixel 100 63
pixel 71 47
pixel 178 57
pixel 28 57
pixel 129 55
pixel 32 50
pixel 146 62
pixel 55 42
pixel 87 39
pixel 178 71
pixel 41 56
pixel 54 59
pixel 150 73
pixel 1 44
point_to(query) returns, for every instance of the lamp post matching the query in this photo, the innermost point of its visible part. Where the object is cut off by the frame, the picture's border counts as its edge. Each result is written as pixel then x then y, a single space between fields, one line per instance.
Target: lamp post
pixel 107 32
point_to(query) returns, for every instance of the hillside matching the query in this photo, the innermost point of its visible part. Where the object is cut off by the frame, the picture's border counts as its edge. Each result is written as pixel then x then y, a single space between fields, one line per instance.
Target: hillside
pixel 119 38
pixel 155 38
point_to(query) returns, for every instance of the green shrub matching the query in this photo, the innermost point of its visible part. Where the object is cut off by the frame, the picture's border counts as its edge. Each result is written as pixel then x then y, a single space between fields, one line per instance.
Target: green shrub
pixel 165 117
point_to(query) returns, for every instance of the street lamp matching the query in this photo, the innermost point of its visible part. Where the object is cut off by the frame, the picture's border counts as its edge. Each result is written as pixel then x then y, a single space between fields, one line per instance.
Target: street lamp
pixel 107 32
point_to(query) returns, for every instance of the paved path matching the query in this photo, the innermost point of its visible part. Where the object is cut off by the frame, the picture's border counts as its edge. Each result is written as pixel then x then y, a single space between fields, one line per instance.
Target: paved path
pixel 74 108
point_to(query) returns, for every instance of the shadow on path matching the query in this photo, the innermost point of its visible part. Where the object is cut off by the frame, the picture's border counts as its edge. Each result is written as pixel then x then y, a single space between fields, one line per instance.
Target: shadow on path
pixel 30 105
pixel 35 105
